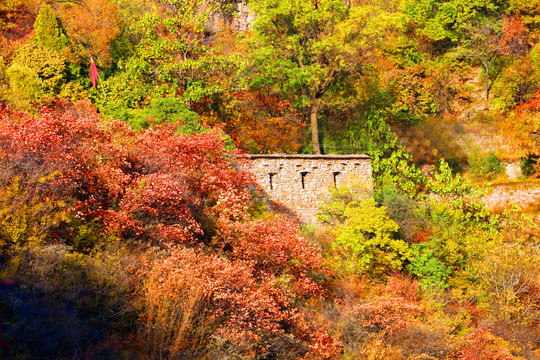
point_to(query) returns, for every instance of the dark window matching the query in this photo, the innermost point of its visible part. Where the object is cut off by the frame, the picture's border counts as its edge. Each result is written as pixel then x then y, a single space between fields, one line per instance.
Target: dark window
pixel 304 173
pixel 270 177
pixel 336 176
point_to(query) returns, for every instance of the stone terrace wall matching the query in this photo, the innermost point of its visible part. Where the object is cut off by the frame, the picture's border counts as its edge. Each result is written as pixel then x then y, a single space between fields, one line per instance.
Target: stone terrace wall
pixel 297 183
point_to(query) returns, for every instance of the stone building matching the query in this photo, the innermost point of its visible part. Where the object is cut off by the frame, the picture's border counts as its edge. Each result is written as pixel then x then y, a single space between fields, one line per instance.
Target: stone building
pixel 296 184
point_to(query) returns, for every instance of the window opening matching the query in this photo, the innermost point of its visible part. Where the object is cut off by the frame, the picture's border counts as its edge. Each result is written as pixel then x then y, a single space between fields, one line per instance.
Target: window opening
pixel 304 173
pixel 336 175
pixel 270 177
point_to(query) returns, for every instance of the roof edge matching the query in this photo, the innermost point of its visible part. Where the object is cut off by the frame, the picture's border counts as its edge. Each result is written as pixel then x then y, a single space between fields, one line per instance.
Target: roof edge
pixel 309 156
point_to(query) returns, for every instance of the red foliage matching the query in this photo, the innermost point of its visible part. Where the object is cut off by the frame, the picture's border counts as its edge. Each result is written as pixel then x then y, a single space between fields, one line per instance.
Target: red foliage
pixel 403 286
pixel 274 247
pixel 531 105
pixel 174 191
pixel 482 344
pixel 392 311
pixel 153 184
pixel 244 307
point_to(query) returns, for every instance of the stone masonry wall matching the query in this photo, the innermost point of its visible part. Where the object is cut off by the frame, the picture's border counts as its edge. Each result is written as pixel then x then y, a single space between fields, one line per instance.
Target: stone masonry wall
pixel 297 183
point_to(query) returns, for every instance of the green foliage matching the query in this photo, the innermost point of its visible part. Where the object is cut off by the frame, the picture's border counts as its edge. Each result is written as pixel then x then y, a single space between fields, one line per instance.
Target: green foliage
pixel 530 165
pixel 366 241
pixel 444 20
pixel 445 183
pixel 121 48
pixel 48 30
pixel 426 265
pixel 485 166
pixel 160 110
pixel 397 170
pixel 317 51
pixel 391 165
pixel 124 93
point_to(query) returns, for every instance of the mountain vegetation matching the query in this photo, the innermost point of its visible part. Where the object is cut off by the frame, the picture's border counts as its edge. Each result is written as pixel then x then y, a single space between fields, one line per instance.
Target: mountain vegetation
pixel 129 228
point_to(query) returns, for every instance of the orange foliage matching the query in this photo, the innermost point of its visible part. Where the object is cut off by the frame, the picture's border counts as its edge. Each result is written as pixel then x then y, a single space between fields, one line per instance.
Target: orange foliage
pixel 92 24
pixel 524 129
pixel 258 123
pixel 18 27
pixel 514 39
pixel 190 296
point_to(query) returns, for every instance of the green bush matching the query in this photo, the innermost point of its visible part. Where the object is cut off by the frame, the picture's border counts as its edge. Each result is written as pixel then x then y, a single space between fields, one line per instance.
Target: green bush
pixel 485 166
pixel 530 165
pixel 366 242
pixel 48 30
pixel 445 183
pixel 160 110
pixel 425 264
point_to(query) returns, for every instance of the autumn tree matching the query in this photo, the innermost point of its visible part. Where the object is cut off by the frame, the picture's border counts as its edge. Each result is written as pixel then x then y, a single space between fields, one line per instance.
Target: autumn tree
pixel 16 26
pixel 92 24
pixel 487 41
pixel 304 49
pixel 442 21
pixel 174 50
pixel 257 123
pixel 217 273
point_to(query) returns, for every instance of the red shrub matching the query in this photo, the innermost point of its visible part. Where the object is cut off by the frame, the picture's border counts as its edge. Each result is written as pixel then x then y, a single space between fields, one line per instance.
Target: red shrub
pixel 155 185
pixel 225 298
pixel 482 344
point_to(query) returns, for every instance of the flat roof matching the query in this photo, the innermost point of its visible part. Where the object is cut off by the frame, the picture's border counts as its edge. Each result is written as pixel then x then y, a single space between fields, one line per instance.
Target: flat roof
pixel 309 156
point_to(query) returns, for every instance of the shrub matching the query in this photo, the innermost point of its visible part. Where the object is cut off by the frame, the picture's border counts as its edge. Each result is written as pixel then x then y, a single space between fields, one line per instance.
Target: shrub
pixel 192 299
pixel 406 212
pixel 366 241
pixel 26 217
pixel 445 183
pixel 482 344
pixel 153 185
pixel 33 60
pixel 424 263
pixel 485 166
pixel 65 304
pixel 530 165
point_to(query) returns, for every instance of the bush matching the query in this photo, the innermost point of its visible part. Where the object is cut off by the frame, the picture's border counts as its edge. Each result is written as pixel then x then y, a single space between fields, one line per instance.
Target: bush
pixel 445 183
pixel 483 166
pixel 66 305
pixel 191 300
pixel 27 218
pixel 530 165
pixel 366 242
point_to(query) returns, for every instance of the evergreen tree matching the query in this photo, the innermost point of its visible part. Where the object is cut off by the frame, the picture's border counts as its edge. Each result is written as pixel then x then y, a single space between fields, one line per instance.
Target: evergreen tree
pixel 48 30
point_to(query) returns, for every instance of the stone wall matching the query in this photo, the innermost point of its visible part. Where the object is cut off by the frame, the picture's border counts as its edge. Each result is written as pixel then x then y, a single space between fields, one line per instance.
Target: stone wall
pixel 297 183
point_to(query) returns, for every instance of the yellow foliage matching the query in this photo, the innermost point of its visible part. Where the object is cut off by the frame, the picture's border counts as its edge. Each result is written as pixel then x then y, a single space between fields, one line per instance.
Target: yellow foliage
pixel 26 218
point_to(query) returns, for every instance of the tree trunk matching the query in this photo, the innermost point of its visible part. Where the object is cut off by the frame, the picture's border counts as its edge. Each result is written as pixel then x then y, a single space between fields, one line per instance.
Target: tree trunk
pixel 487 80
pixel 315 127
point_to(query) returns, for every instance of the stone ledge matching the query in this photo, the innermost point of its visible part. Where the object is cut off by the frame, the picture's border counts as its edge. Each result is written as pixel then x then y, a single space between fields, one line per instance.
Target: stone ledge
pixel 308 156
